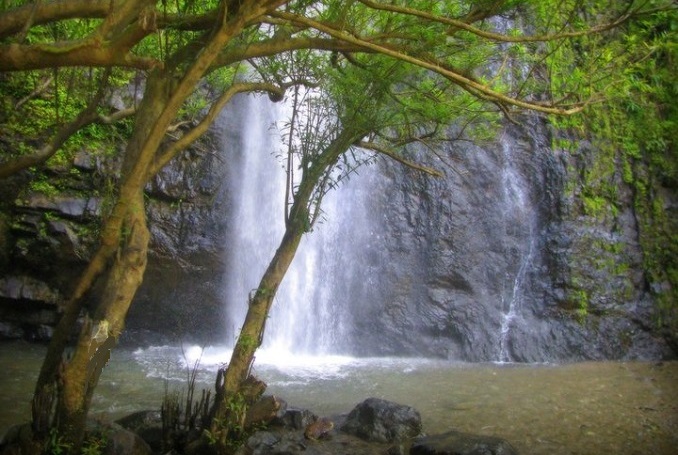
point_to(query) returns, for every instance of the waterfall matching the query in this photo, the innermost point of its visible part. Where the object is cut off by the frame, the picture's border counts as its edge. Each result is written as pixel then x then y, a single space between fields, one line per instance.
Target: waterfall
pixel 309 314
pixel 518 224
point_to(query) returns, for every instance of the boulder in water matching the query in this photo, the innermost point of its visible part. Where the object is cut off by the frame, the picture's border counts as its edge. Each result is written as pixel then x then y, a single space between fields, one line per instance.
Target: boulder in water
pixel 458 443
pixel 382 421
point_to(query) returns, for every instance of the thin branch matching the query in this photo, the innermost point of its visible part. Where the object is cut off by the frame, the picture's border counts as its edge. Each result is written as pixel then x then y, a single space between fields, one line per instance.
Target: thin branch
pixel 393 155
pixel 193 134
pixel 118 115
pixel 41 88
pixel 491 35
pixel 84 118
pixel 464 82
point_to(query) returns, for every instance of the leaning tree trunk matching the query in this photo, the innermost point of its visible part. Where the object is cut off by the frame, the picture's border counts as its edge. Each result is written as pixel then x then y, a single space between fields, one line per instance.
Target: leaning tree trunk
pixel 121 257
pixel 235 388
pixel 118 266
pixel 80 375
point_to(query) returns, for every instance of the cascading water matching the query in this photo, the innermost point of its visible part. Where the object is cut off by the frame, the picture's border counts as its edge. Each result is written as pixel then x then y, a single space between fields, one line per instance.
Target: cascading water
pixel 309 313
pixel 518 224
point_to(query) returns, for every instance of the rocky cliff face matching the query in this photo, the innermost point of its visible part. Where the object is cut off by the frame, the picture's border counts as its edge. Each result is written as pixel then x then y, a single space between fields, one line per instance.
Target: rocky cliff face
pixel 496 261
pixel 49 230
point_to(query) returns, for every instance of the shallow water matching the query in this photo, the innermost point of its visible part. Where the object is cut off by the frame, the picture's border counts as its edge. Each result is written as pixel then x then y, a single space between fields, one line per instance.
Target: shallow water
pixel 582 408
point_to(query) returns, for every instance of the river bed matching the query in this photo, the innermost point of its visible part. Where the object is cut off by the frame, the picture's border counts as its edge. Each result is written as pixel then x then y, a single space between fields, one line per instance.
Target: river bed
pixel 577 408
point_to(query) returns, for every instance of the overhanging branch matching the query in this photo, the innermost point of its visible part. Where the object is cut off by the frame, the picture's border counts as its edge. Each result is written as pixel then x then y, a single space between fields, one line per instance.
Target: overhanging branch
pixel 193 134
pixel 393 155
pixel 462 81
pixel 456 23
pixel 84 118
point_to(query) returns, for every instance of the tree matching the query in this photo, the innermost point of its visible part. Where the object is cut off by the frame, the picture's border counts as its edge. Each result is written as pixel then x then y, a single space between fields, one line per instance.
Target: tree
pixel 423 63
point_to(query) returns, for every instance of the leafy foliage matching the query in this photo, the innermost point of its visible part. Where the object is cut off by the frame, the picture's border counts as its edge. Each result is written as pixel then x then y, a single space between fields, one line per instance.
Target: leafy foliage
pixel 381 75
pixel 632 129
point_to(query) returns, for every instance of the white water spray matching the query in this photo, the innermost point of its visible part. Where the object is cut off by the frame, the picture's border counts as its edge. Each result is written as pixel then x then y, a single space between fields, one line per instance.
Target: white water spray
pixel 310 311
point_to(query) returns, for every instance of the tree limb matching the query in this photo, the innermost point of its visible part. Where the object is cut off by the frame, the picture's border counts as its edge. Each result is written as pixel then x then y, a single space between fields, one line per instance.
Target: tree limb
pixel 491 35
pixel 85 117
pixel 193 134
pixel 41 88
pixel 462 81
pixel 278 45
pixel 393 155
pixel 39 13
pixel 85 52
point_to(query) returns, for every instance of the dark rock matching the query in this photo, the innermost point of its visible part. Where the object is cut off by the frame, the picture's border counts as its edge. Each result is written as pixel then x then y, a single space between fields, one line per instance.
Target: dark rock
pixel 119 441
pixel 108 438
pixel 382 421
pixel 319 429
pixel 147 424
pixel 27 288
pixel 66 205
pixel 18 439
pixel 10 331
pixel 296 419
pixel 262 442
pixel 457 443
pixel 84 161
pixel 39 333
pixel 286 442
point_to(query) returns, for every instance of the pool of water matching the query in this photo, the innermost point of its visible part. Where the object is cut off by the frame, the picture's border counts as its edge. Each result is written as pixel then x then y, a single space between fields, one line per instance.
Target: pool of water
pixel 579 408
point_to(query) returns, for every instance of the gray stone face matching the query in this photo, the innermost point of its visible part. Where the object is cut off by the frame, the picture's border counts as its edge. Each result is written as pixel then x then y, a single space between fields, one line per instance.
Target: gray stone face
pixel 490 262
pixel 484 264
pixel 378 420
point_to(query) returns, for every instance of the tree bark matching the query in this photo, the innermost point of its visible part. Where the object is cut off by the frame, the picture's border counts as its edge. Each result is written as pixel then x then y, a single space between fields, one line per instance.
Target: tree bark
pixel 121 257
pixel 124 217
pixel 80 375
pixel 252 332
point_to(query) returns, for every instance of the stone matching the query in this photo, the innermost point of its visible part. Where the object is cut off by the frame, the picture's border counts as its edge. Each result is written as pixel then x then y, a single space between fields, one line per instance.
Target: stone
pixel 262 442
pixel 28 288
pixel 66 205
pixel 10 331
pixel 458 443
pixel 147 424
pixel 382 421
pixel 120 441
pixel 319 429
pixel 266 409
pixel 84 161
pixel 41 333
pixel 296 419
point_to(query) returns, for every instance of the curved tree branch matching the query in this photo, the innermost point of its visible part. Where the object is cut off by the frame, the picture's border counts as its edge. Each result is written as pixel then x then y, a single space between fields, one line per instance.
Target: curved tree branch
pixel 458 24
pixel 86 52
pixel 84 118
pixel 39 13
pixel 193 134
pixel 464 82
pixel 393 155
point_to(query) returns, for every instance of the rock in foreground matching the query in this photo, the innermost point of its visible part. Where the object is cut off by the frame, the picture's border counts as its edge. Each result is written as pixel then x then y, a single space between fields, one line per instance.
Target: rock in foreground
pixel 379 420
pixel 458 443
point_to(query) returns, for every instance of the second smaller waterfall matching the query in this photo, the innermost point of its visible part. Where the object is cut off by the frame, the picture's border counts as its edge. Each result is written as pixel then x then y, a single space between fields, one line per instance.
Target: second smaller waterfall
pixel 518 223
